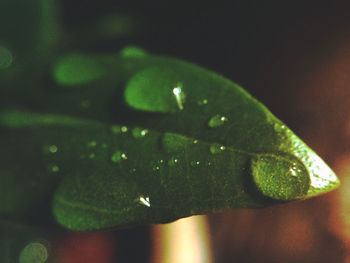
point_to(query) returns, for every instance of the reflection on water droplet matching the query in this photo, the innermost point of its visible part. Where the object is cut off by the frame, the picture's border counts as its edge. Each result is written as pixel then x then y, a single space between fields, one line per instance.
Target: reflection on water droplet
pixel 34 253
pixel 6 58
pixel 195 141
pixel 195 163
pixel 118 156
pixel 217 121
pixel 144 200
pixel 202 102
pixel 217 148
pixel 92 144
pixel 280 177
pixel 173 161
pixel 179 96
pixel 139 133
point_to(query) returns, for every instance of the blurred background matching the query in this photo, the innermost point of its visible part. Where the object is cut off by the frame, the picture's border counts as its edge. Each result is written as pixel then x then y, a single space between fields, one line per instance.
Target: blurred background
pixel 294 56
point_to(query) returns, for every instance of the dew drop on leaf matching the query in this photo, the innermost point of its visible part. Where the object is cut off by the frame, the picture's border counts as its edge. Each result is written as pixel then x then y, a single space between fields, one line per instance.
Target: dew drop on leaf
pixel 217 121
pixel 216 148
pixel 279 177
pixel 34 252
pixel 139 133
pixel 174 142
pixel 118 156
pixel 144 200
pixel 173 161
pixel 202 102
pixel 195 163
pixel 155 89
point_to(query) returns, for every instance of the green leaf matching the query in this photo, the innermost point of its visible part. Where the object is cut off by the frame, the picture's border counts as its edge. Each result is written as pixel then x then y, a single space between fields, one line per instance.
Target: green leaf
pixel 188 141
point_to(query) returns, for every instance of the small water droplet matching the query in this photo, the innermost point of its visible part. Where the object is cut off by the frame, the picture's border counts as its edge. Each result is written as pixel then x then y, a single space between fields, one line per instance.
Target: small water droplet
pixel 156 168
pixel 216 148
pixel 202 102
pixel 195 141
pixel 173 161
pixel 124 129
pixel 50 149
pixel 179 95
pixel 209 163
pixel 118 156
pixel 280 177
pixel 53 168
pixel 91 144
pixel 34 252
pixel 139 133
pixel 92 156
pixel 144 200
pixel 279 127
pixel 217 121
pixel 133 170
pixel 195 163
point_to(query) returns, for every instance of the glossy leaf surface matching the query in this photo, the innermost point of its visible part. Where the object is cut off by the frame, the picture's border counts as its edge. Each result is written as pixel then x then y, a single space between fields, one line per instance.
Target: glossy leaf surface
pixel 151 139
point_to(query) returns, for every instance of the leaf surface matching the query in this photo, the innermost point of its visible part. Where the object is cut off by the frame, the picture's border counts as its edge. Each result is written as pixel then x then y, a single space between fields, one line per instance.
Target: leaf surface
pixel 188 141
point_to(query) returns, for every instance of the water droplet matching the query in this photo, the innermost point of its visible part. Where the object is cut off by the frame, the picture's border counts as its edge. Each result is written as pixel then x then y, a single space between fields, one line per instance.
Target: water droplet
pixel 132 52
pixel 118 156
pixel 34 252
pixel 280 177
pixel 173 161
pixel 173 142
pixel 179 96
pixel 92 144
pixel 124 129
pixel 195 163
pixel 217 148
pixel 202 102
pixel 144 200
pixel 155 89
pixel 217 121
pixel 209 163
pixel 156 168
pixel 92 156
pixel 6 58
pixel 279 127
pixel 133 170
pixel 53 168
pixel 139 133
pixel 195 141
pixel 50 149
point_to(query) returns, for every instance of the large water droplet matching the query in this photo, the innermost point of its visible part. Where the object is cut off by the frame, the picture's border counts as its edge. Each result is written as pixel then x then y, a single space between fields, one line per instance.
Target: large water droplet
pixel 78 69
pixel 217 121
pixel 217 148
pixel 144 200
pixel 155 90
pixel 179 96
pixel 280 177
pixel 139 133
pixel 118 156
pixel 132 52
pixel 6 58
pixel 34 252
